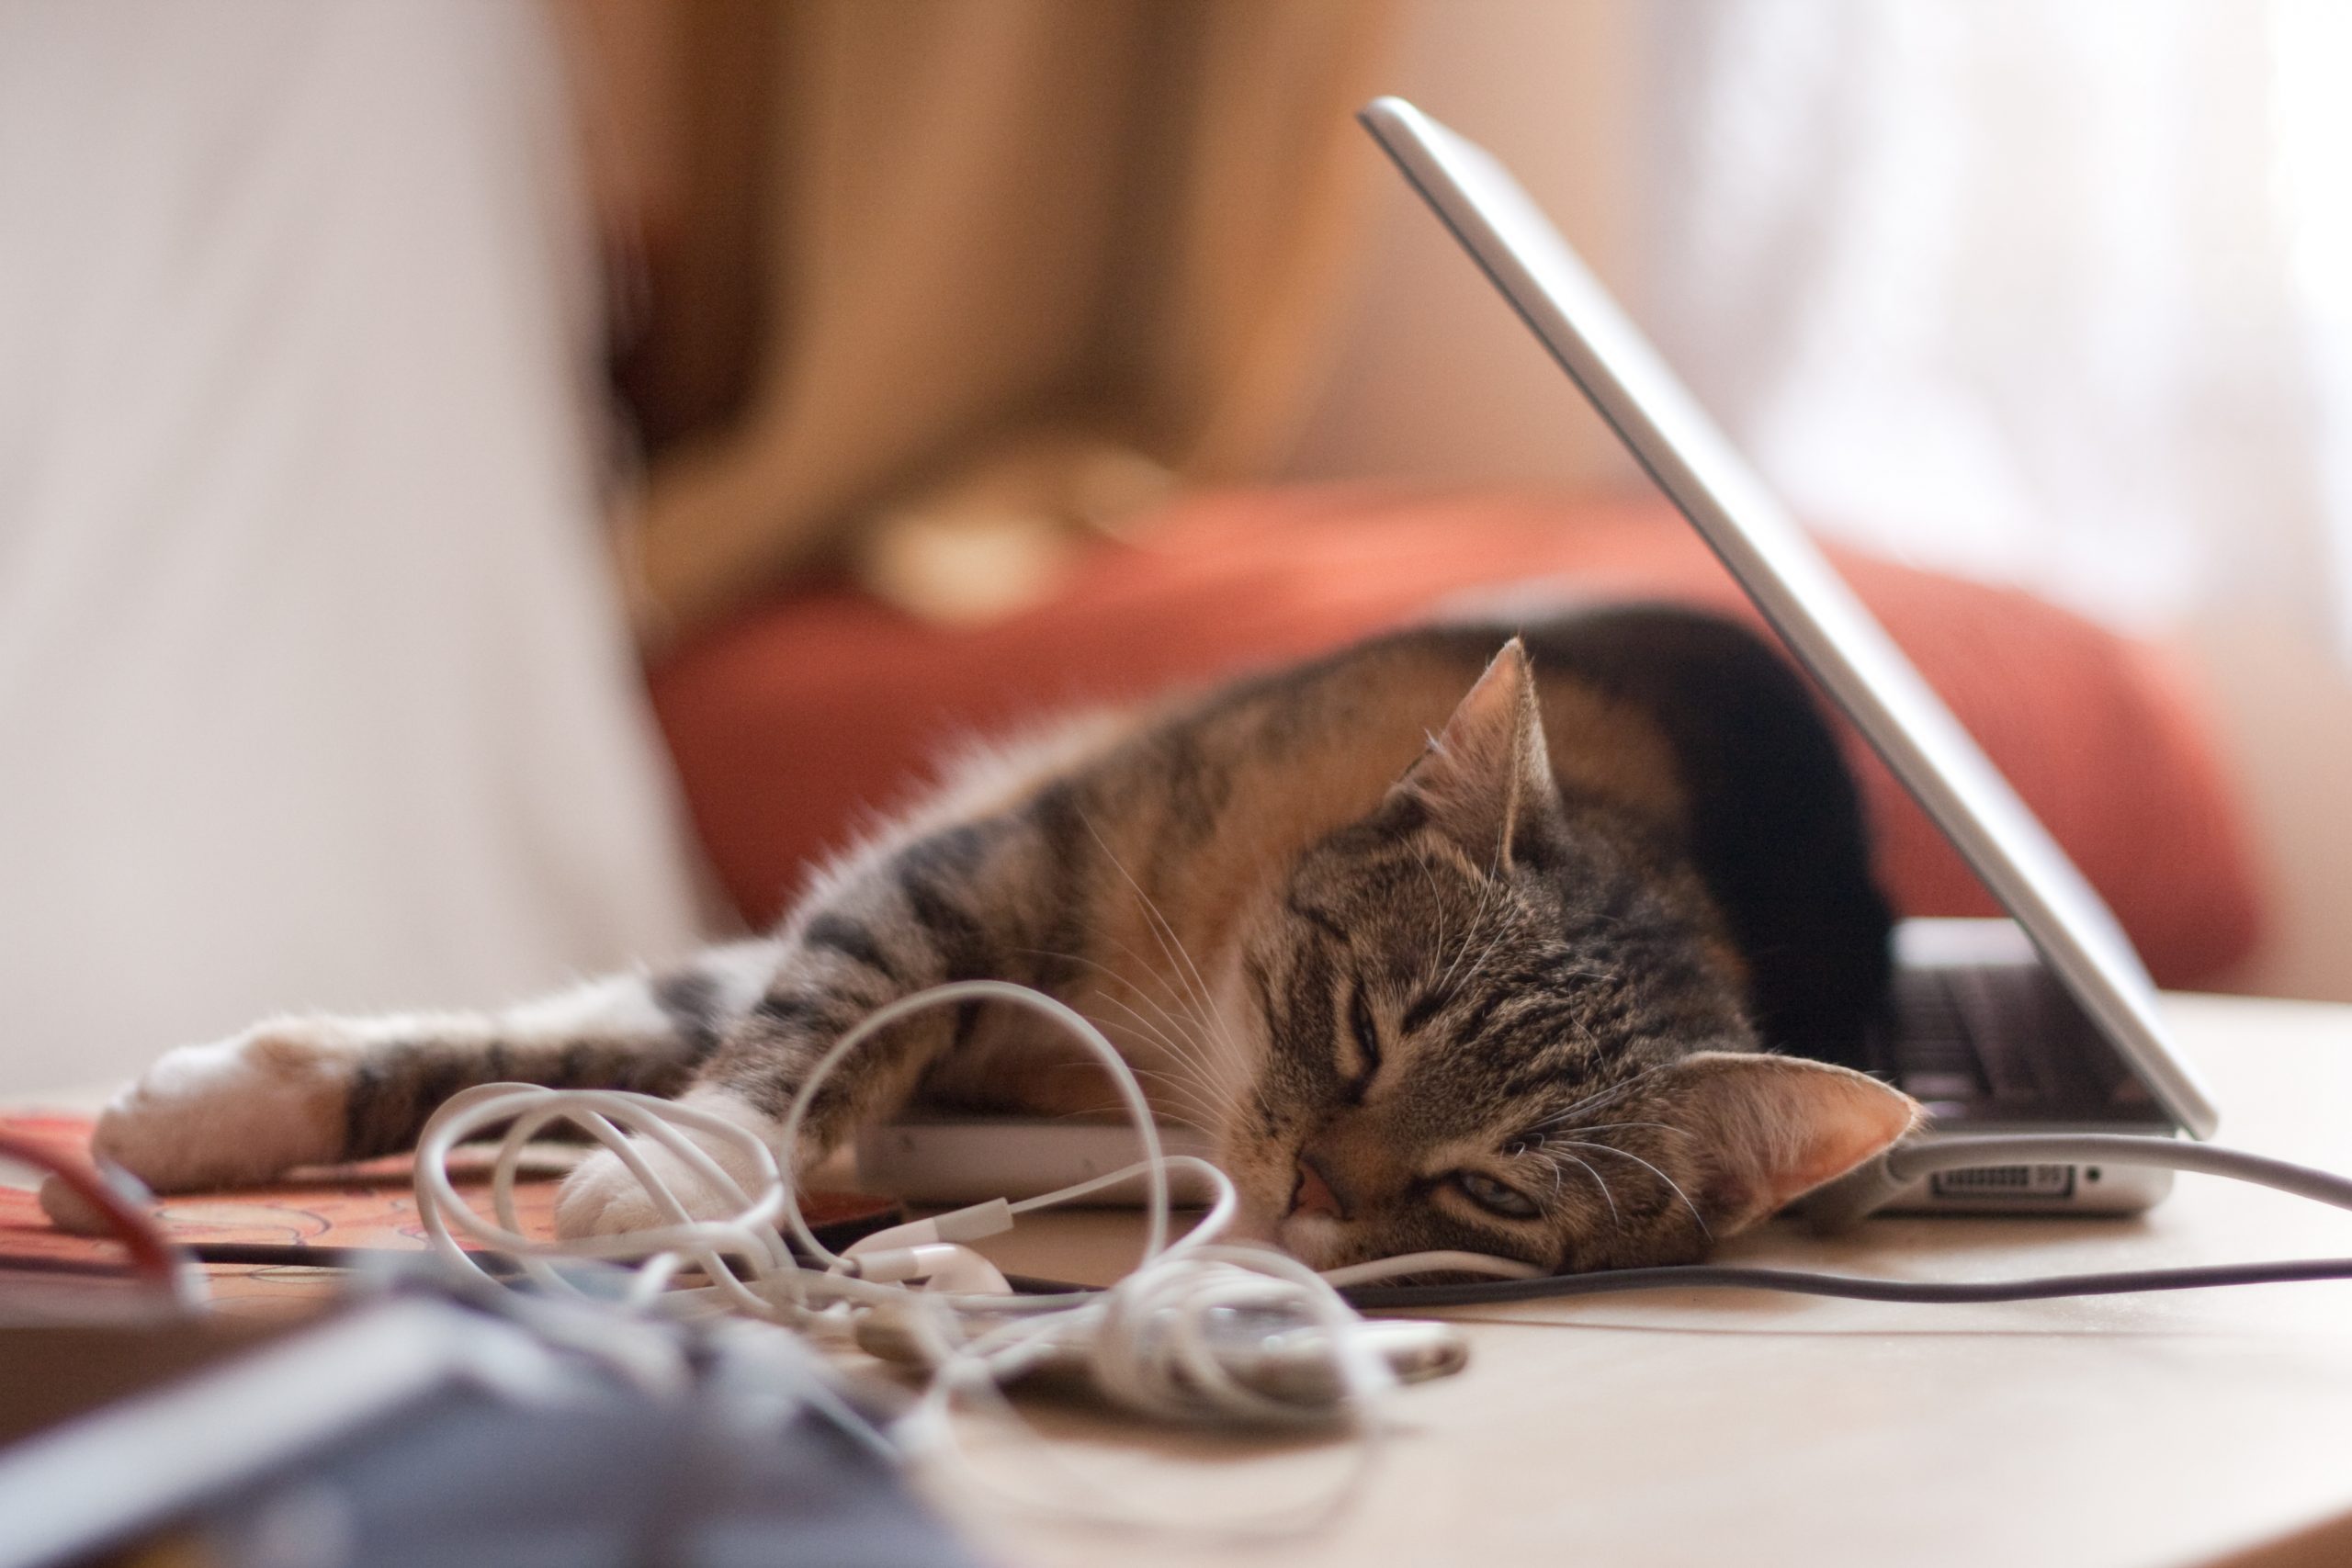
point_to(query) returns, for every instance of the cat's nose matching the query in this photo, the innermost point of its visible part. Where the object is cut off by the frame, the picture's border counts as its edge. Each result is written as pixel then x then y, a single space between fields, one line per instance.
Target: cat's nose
pixel 1313 1194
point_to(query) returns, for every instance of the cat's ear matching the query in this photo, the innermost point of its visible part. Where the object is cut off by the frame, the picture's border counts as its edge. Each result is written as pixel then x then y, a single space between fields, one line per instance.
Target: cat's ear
pixel 1767 1130
pixel 1486 780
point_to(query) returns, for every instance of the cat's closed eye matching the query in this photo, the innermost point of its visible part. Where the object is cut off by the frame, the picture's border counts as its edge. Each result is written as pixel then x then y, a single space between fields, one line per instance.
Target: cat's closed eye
pixel 1367 1044
pixel 1495 1197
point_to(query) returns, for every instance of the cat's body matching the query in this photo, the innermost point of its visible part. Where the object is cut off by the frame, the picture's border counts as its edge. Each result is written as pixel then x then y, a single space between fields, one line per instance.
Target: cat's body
pixel 1506 996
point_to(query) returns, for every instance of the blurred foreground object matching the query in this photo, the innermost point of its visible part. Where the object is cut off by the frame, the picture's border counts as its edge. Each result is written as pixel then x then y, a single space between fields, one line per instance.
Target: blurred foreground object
pixel 417 1430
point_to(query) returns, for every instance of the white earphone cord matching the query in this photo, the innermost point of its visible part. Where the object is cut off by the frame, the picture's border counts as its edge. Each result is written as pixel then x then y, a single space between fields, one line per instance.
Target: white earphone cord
pixel 1146 1337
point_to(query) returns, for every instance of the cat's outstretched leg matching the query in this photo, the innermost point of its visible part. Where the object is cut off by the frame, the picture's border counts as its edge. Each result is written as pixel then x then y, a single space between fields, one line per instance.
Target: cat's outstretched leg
pixel 999 894
pixel 308 1090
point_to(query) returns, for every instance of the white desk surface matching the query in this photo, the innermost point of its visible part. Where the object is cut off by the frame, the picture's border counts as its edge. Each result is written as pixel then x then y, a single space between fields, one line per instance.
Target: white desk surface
pixel 2195 1428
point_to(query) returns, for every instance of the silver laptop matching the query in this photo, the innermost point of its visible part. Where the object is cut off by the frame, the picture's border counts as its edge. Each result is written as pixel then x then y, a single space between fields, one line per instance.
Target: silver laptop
pixel 2043 1022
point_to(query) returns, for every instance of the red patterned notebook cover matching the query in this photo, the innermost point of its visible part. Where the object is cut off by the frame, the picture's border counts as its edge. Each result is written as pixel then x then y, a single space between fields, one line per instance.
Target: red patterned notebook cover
pixel 369 1205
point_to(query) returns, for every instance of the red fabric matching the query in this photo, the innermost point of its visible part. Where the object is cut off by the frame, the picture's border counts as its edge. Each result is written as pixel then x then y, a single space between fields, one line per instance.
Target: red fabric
pixel 792 722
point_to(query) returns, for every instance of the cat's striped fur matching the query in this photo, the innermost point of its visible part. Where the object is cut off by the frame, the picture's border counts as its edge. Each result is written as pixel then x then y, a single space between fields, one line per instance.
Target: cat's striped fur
pixel 1488 970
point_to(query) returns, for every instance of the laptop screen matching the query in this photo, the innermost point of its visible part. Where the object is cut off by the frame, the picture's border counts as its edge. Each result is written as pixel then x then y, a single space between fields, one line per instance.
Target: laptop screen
pixel 1807 603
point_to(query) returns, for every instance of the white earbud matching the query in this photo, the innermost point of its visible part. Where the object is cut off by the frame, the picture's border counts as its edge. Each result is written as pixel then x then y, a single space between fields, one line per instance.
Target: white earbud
pixel 942 1266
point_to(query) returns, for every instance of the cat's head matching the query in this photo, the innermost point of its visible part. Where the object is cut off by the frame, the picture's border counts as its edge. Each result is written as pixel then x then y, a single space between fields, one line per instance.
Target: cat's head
pixel 1498 1020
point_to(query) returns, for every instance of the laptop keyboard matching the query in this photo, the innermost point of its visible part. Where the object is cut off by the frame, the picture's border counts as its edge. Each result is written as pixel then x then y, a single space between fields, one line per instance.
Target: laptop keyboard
pixel 2000 1038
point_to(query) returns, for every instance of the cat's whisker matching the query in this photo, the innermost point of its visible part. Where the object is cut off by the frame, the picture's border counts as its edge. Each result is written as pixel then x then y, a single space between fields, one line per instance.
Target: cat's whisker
pixel 1616 1217
pixel 1180 1090
pixel 1164 933
pixel 1179 1036
pixel 1185 1091
pixel 1206 1083
pixel 1155 921
pixel 1673 1186
pixel 1445 981
pixel 1174 1044
pixel 1191 1017
pixel 1614 1126
pixel 1208 1077
pixel 1180 1096
pixel 1170 1039
pixel 1478 912
pixel 1139 1028
pixel 1110 973
pixel 1502 930
pixel 1213 1025
pixel 1437 911
pixel 1110 1108
pixel 1217 1048
pixel 1190 1083
pixel 1597 1101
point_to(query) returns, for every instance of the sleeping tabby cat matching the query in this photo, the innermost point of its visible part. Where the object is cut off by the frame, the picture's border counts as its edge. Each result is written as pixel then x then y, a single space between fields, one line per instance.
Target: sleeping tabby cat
pixel 1440 958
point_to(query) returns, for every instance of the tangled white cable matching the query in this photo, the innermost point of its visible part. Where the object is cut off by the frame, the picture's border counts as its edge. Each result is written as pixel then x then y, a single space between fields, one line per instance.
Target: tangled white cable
pixel 1148 1341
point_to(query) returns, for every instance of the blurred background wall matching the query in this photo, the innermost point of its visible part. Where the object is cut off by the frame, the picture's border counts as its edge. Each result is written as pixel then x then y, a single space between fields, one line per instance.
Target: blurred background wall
pixel 1432 379
pixel 378 383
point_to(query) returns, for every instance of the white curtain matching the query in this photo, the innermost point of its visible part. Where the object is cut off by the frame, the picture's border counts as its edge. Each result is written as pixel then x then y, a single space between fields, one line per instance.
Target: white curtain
pixel 313 689
pixel 2053 293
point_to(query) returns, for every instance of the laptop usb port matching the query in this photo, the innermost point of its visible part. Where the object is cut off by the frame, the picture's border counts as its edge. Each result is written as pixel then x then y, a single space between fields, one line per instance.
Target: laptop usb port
pixel 2005 1181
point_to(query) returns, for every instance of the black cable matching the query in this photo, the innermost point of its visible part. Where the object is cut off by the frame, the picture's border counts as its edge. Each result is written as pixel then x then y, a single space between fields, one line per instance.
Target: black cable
pixel 1853 1287
pixel 1861 1191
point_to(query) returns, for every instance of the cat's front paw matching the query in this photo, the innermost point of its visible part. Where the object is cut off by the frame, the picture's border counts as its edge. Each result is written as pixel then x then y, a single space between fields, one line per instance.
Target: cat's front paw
pixel 603 1197
pixel 235 1112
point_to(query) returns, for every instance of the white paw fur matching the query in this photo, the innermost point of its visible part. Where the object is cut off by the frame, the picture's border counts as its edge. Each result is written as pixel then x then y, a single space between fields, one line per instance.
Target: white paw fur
pixel 238 1112
pixel 603 1197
